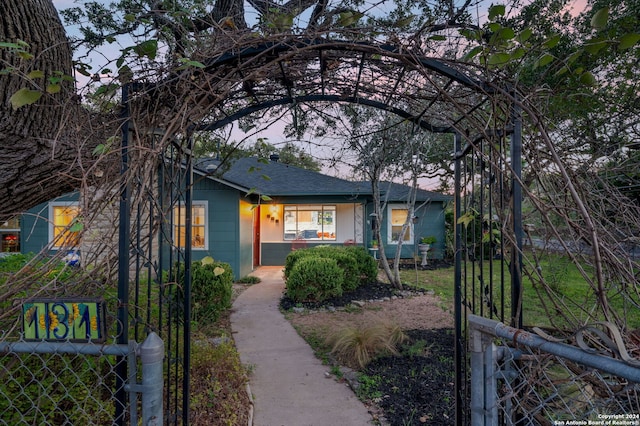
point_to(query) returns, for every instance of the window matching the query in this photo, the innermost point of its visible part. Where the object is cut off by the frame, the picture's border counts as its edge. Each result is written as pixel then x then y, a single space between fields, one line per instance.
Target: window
pixel 199 240
pixel 62 233
pixel 312 222
pixel 397 218
pixel 10 233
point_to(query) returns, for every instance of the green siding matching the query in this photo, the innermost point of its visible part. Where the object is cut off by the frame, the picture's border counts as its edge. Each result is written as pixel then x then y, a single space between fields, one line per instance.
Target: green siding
pixel 223 213
pixel 430 222
pixel 34 225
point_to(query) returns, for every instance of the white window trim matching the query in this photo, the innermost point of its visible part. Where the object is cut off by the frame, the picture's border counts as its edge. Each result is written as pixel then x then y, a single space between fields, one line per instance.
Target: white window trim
pixel 195 203
pixel 52 205
pixel 330 207
pixel 390 240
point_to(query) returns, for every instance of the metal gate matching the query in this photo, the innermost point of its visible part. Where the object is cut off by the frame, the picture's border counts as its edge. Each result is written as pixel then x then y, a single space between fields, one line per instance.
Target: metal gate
pixel 488 238
pixel 154 272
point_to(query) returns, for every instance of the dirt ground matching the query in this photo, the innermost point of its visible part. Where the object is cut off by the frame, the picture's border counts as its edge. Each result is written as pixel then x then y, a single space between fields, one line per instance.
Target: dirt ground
pixel 424 312
pixel 412 388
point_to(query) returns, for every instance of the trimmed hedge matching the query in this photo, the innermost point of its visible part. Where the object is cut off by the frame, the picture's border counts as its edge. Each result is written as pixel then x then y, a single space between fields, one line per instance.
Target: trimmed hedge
pixel 355 263
pixel 211 288
pixel 367 265
pixel 315 279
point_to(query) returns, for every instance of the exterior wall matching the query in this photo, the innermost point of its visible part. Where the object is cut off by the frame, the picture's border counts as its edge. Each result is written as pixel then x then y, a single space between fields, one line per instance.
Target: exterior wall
pixel 34 226
pixel 431 221
pixel 223 224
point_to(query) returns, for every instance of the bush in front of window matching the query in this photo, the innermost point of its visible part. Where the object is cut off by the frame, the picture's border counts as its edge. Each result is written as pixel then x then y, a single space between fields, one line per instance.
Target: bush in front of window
pixel 314 279
pixel 367 265
pixel 347 261
pixel 292 259
pixel 211 287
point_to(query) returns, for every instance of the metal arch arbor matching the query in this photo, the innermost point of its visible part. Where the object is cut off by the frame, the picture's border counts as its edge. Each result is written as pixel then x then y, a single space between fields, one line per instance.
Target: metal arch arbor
pixel 438 96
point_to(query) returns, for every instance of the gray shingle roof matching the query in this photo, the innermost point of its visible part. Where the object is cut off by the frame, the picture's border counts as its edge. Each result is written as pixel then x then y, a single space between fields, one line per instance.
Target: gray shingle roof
pixel 279 179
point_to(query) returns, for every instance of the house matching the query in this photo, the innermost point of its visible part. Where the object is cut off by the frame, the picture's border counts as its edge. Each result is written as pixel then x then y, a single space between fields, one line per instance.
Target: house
pixel 232 222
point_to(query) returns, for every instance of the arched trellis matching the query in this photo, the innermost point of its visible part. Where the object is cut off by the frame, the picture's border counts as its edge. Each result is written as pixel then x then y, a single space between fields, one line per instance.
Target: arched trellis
pixel 438 96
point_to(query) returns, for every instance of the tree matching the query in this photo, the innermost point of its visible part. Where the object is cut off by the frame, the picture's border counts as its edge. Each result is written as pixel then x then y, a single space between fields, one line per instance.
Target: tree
pixel 386 150
pixel 288 153
pixel 46 138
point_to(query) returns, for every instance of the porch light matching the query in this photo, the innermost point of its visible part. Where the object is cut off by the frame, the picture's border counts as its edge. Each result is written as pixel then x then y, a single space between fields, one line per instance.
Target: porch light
pixel 374 221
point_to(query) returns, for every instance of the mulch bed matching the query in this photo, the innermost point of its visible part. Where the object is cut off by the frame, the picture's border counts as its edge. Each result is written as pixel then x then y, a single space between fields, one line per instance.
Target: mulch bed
pixel 415 388
pixel 418 389
pixel 370 291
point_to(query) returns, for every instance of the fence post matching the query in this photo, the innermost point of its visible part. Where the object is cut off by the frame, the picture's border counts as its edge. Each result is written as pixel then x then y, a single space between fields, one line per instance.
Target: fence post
pixel 477 379
pixel 483 404
pixel 151 355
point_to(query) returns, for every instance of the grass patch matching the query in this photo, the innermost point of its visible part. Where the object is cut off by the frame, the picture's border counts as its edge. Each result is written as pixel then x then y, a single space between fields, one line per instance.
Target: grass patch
pixel 570 290
pixel 357 346
pixel 218 382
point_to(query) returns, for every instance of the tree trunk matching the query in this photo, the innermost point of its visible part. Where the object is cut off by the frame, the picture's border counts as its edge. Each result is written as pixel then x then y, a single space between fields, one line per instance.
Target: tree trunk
pixel 41 153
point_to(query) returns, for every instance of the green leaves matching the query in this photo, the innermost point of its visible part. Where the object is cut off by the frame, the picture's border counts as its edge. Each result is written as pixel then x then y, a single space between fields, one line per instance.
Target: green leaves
pixel 24 97
pixel 147 48
pixel 628 41
pixel 347 19
pixel 588 79
pixel 496 11
pixel 600 19
pixel 188 63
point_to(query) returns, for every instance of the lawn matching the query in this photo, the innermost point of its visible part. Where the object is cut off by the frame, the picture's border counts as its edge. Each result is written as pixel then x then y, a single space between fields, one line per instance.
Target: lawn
pixel 572 294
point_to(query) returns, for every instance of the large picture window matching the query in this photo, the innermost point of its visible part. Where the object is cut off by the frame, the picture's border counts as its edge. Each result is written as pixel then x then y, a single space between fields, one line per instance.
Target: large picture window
pixel 397 217
pixel 310 222
pixel 199 240
pixel 61 230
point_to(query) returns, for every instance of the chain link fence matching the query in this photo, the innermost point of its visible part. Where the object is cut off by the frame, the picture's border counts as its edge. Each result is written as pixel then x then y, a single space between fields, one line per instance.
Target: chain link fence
pixel 66 383
pixel 522 378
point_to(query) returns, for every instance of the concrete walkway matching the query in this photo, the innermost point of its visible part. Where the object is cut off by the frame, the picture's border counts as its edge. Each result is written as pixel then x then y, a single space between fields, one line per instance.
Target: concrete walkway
pixel 288 383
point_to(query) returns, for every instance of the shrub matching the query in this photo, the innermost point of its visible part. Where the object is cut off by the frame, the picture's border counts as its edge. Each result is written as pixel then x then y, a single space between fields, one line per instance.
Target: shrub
pixel 367 266
pixel 249 279
pixel 346 261
pixel 57 389
pixel 357 346
pixel 211 288
pixel 293 257
pixel 314 279
pixel 357 265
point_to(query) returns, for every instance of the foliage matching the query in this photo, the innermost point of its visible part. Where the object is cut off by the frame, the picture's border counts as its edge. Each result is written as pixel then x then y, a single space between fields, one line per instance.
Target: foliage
pixel 367 266
pixel 218 381
pixel 357 265
pixel 211 289
pixel 357 346
pixel 249 279
pixel 429 239
pixel 314 278
pixel 368 387
pixel 57 389
pixel 13 262
pixel 346 262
